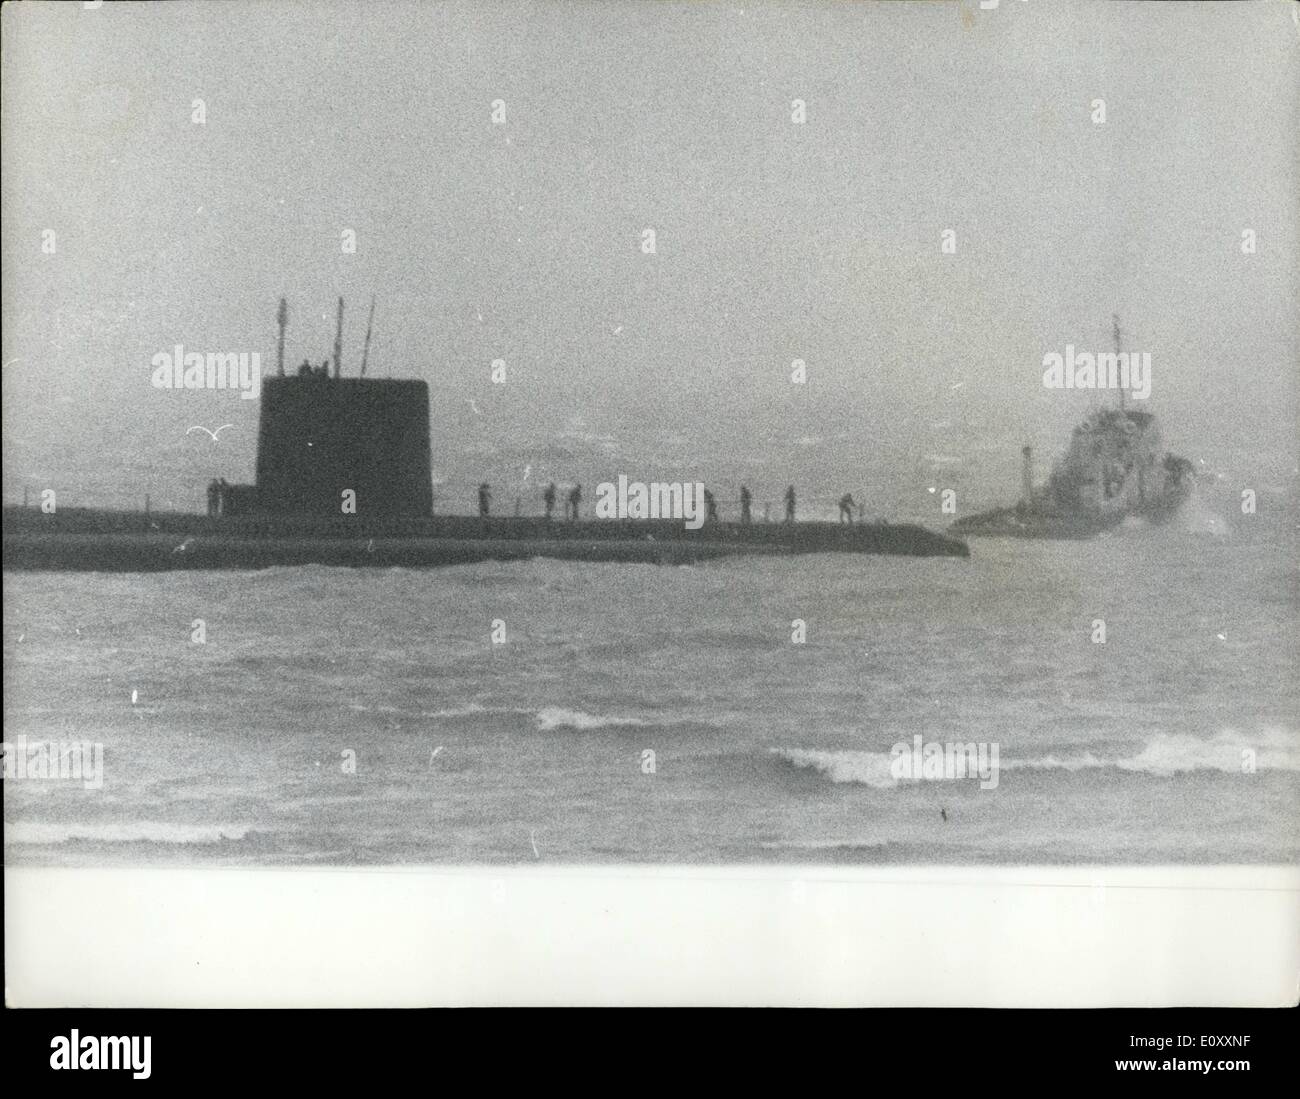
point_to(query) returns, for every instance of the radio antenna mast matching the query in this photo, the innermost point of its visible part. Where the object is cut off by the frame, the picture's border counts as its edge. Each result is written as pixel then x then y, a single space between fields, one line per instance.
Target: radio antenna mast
pixel 365 353
pixel 338 343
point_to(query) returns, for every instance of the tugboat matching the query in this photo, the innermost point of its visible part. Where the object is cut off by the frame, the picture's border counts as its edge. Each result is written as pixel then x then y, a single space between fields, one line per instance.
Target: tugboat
pixel 1116 468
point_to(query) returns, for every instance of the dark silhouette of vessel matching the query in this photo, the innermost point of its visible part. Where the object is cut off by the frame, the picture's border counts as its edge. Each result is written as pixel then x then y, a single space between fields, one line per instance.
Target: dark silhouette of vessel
pixel 1115 468
pixel 344 477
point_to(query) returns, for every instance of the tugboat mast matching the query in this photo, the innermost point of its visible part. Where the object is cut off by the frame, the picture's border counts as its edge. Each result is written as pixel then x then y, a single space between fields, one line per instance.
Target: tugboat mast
pixel 1114 318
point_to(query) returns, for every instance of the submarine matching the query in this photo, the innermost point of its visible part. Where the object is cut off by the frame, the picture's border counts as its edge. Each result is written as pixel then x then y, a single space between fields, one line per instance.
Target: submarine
pixel 344 477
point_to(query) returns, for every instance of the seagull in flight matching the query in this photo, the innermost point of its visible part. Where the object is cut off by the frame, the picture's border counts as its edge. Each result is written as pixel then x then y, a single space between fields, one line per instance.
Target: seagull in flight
pixel 214 434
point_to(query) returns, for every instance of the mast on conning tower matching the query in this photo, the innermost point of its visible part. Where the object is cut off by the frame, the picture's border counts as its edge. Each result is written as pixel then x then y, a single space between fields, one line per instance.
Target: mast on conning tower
pixel 338 343
pixel 365 351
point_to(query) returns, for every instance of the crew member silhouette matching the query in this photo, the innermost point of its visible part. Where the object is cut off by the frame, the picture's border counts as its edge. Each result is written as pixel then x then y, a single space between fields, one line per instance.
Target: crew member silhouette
pixel 846 508
pixel 789 504
pixel 484 499
pixel 575 498
pixel 745 500
pixel 548 498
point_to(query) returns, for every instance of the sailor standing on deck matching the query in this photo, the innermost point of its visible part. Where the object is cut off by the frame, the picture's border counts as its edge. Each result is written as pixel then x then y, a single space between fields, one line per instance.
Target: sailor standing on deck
pixel 710 507
pixel 484 499
pixel 745 500
pixel 571 506
pixel 846 508
pixel 789 504
pixel 548 498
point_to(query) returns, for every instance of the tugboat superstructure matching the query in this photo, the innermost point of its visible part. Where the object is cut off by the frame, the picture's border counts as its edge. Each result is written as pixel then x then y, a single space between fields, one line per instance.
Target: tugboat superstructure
pixel 1116 467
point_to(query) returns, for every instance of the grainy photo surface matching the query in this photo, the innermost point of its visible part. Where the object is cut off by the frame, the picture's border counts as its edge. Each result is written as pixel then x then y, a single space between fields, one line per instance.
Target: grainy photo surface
pixel 634 433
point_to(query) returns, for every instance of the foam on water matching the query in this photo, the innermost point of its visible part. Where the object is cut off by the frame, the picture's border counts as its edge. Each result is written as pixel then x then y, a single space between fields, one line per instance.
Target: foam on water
pixel 555 717
pixel 1198 517
pixel 867 768
pixel 469 710
pixel 1165 754
pixel 1130 750
pixel 140 831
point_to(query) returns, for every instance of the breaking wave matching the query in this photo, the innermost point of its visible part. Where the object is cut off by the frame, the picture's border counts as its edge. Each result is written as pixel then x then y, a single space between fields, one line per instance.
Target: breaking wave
pixel 144 831
pixel 550 718
pixel 555 717
pixel 1197 516
pixel 1171 754
pixel 457 711
pixel 867 768
pixel 1163 755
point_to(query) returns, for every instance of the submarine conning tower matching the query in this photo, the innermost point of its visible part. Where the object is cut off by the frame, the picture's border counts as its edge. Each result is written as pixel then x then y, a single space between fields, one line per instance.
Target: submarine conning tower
pixel 320 435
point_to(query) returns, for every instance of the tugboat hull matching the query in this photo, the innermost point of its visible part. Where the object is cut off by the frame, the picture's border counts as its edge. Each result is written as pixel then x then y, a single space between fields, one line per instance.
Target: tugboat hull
pixel 1115 469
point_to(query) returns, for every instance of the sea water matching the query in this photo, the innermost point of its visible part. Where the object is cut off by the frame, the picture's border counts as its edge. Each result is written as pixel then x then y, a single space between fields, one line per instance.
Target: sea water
pixel 738 711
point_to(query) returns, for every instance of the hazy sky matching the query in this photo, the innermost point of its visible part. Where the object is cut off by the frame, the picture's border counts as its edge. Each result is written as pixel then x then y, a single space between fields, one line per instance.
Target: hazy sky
pixel 775 241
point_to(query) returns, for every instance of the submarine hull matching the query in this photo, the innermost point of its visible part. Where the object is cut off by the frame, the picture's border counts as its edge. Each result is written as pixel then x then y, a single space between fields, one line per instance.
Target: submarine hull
pixel 84 540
